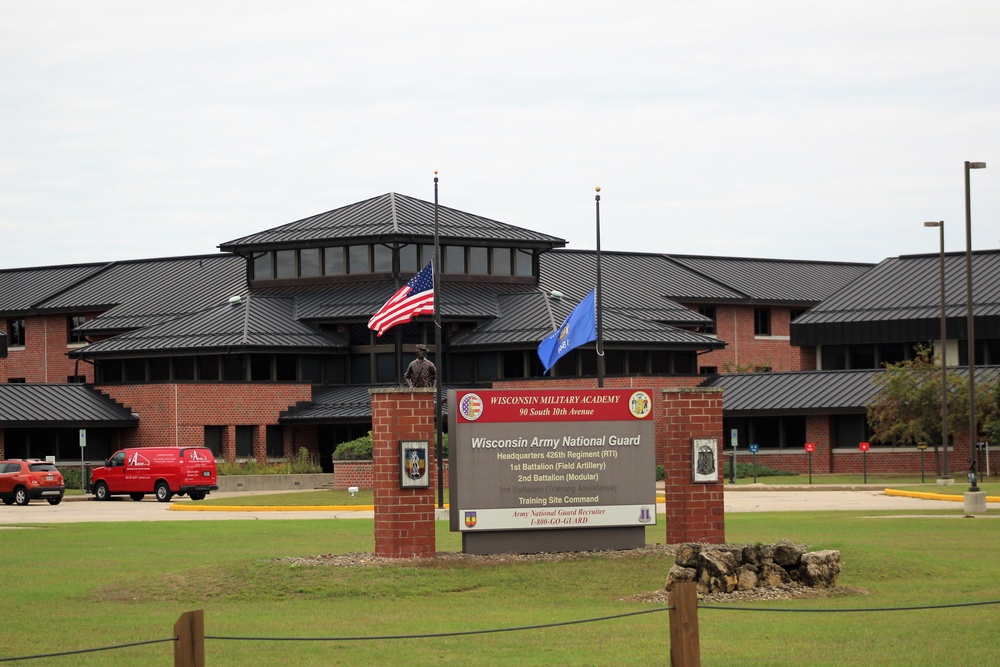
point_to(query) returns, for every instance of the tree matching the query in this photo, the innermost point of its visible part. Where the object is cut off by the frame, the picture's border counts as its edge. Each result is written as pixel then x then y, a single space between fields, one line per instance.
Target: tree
pixel 907 407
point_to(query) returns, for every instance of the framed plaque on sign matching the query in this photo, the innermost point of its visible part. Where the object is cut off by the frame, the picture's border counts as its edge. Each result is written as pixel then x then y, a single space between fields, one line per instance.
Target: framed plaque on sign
pixel 705 460
pixel 413 470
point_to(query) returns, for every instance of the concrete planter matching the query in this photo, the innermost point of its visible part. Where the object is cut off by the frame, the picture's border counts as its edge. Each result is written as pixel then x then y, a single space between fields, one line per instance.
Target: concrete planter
pixel 274 482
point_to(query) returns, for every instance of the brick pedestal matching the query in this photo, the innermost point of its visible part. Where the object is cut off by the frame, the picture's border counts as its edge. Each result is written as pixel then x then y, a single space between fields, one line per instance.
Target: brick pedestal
pixel 404 518
pixel 695 512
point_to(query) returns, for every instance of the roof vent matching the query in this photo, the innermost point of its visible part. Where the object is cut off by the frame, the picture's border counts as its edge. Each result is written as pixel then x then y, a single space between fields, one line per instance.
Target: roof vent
pixel 234 300
pixel 555 294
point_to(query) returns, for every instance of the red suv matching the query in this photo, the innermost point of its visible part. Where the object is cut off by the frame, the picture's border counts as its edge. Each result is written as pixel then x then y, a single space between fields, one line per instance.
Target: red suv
pixel 24 479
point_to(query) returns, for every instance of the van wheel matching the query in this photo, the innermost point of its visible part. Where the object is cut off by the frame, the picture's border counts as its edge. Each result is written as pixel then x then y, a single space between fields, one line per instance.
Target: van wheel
pixel 101 491
pixel 21 496
pixel 197 495
pixel 163 493
pixel 55 501
pixel 137 496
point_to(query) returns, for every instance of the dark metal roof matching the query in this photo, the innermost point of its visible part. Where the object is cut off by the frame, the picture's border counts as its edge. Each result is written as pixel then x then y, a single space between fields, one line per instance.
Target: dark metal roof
pixel 59 405
pixel 642 284
pixel 900 300
pixel 342 404
pixel 804 392
pixel 144 292
pixel 807 392
pixel 253 323
pixel 773 280
pixel 528 317
pixel 25 290
pixel 392 217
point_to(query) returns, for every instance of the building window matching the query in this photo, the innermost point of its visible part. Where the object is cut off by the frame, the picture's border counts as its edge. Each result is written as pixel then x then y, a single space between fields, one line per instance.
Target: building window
pixel 274 444
pixel 15 333
pixel 333 261
pixel 479 263
pixel 522 263
pixel 72 335
pixel 454 258
pixel 213 440
pixel 244 442
pixel 707 327
pixel 262 269
pixel 309 262
pixel 76 379
pixel 501 261
pixel 208 368
pixel 408 259
pixel 383 259
pixel 358 260
pixel 16 380
pixel 284 262
pixel 762 321
pixel 708 370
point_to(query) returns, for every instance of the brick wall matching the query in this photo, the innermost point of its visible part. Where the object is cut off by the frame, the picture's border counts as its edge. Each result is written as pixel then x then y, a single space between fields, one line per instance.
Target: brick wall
pixel 745 351
pixel 44 355
pixel 176 414
pixel 404 518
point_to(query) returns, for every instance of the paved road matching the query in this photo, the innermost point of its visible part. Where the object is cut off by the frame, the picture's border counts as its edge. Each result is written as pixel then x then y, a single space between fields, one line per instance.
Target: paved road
pixel 742 499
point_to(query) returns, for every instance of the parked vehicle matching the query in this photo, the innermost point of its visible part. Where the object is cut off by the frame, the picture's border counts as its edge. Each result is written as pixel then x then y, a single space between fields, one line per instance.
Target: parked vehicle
pixel 22 480
pixel 162 471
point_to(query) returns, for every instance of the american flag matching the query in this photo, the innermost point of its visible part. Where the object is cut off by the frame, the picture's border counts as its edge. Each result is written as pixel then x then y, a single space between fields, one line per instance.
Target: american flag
pixel 414 298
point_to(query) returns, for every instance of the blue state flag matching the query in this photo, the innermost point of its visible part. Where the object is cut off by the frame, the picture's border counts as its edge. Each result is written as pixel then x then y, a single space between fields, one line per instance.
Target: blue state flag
pixel 579 328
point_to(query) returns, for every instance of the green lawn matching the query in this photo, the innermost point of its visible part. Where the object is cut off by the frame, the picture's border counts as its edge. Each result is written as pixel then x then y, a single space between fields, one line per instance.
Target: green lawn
pixel 72 586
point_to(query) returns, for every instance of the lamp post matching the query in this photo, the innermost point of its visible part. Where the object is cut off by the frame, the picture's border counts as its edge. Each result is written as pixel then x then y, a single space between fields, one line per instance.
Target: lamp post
pixel 973 487
pixel 946 476
pixel 599 294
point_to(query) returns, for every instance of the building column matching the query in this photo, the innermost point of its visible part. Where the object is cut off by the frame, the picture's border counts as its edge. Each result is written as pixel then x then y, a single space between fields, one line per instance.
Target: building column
pixel 694 512
pixel 404 517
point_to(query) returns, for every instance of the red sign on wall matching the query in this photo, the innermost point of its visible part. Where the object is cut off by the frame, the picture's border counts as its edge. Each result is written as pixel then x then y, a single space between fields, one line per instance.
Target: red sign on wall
pixel 864 446
pixel 810 446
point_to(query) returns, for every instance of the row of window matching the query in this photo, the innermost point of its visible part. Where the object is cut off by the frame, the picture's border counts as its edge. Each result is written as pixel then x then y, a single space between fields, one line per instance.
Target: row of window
pixel 381 367
pixel 379 258
pixel 857 357
pixel 789 433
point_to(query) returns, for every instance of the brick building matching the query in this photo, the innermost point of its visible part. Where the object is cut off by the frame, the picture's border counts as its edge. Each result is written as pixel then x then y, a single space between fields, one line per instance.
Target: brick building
pixel 263 348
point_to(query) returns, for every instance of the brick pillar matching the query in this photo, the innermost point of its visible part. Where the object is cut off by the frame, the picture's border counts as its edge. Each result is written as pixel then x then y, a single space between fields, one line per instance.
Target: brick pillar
pixel 259 448
pixel 229 443
pixel 695 512
pixel 404 518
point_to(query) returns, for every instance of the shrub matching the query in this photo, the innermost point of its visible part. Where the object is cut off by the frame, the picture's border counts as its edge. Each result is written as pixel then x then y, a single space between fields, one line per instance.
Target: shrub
pixel 360 449
pixel 301 463
pixel 744 470
pixel 659 473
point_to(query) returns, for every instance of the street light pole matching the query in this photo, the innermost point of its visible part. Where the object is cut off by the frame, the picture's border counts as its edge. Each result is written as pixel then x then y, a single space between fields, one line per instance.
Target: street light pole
pixel 946 477
pixel 973 487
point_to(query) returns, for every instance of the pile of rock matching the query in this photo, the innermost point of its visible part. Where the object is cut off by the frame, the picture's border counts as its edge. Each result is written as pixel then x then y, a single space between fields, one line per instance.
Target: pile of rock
pixel 725 568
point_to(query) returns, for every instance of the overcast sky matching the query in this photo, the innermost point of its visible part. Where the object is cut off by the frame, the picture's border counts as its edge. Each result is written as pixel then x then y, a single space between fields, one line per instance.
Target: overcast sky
pixel 802 130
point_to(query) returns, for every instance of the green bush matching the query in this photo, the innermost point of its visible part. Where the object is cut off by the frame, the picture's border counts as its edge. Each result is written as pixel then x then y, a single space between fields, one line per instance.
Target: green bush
pixel 360 449
pixel 301 463
pixel 659 473
pixel 744 470
pixel 71 475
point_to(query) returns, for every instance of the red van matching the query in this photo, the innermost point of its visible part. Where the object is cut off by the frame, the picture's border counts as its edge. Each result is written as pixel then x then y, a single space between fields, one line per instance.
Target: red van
pixel 162 471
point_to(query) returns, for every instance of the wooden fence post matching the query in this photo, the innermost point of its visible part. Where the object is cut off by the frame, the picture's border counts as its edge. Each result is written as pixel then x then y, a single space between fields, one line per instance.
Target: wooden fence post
pixel 189 649
pixel 685 650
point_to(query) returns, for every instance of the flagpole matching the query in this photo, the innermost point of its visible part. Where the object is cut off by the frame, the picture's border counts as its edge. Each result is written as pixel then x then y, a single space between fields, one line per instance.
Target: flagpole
pixel 600 318
pixel 437 347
